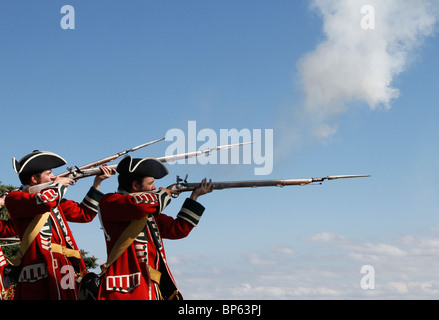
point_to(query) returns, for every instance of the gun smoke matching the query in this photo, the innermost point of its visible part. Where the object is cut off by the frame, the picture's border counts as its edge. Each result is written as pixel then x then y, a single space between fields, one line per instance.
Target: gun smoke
pixel 366 45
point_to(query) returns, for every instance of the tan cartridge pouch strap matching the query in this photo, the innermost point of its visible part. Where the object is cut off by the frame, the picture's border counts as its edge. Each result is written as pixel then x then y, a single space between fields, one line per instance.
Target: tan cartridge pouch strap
pixel 29 236
pixel 155 275
pixel 67 252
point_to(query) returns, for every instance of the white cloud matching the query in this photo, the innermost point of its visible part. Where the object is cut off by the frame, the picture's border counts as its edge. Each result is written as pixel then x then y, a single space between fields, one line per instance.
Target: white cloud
pixel 257 259
pixel 353 65
pixel 247 291
pixel 384 250
pixel 325 237
pixel 284 250
pixel 397 287
pixel 324 130
pixel 184 259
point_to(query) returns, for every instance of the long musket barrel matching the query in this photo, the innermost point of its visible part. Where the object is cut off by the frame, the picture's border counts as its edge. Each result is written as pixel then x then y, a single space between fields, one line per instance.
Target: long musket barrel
pixel 79 173
pixel 184 186
pixel 71 172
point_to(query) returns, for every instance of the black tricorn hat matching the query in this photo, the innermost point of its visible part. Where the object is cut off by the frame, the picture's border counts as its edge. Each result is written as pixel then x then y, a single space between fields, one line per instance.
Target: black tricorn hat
pixel 148 167
pixel 37 161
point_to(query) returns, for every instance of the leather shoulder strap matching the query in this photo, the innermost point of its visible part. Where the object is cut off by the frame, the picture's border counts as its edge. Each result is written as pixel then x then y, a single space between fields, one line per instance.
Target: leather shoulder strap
pixel 124 241
pixel 29 236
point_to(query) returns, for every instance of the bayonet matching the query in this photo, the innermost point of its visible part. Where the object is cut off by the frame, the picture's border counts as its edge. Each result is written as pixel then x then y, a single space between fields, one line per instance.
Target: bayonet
pixel 198 153
pixel 77 171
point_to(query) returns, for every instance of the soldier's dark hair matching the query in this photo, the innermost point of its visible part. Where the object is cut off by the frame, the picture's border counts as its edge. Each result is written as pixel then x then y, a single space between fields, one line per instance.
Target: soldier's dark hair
pixel 25 178
pixel 126 181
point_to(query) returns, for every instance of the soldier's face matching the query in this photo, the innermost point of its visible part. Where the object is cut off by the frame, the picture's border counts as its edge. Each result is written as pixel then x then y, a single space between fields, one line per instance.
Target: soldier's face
pixel 147 184
pixel 43 177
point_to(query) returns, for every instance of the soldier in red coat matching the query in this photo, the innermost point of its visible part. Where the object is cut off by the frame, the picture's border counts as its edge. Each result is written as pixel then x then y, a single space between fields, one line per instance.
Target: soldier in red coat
pixel 6 231
pixel 141 272
pixel 49 265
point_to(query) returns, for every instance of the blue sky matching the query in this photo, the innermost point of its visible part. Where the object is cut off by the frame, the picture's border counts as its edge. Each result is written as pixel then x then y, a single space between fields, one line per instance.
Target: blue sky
pixel 340 100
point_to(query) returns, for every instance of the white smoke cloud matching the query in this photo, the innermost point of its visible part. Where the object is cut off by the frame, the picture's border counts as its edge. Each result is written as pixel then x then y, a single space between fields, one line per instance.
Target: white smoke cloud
pixel 367 44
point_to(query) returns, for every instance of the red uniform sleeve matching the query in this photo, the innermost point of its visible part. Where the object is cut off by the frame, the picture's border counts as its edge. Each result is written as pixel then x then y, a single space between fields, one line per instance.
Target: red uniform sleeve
pixel 124 207
pixel 171 228
pixel 75 212
pixel 24 204
pixel 86 210
pixel 188 217
pixel 7 229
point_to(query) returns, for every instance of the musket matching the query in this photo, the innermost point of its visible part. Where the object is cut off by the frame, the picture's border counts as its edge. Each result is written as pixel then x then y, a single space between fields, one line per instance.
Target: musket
pixel 75 171
pixel 183 185
pixel 78 173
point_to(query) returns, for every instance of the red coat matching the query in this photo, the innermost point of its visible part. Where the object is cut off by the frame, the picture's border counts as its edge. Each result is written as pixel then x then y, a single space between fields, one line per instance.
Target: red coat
pixel 6 230
pixel 128 277
pixel 46 274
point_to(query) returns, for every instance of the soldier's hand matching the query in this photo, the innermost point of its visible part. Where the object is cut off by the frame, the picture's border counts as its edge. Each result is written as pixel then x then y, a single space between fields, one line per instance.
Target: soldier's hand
pixel 170 192
pixel 64 181
pixel 204 188
pixel 106 172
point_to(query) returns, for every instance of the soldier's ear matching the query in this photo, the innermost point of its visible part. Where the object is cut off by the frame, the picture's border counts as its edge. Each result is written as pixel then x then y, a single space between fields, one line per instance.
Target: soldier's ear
pixel 34 180
pixel 135 186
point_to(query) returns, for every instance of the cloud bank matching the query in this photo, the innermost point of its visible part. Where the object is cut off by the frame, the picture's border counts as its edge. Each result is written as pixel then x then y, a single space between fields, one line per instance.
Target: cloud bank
pixel 322 266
